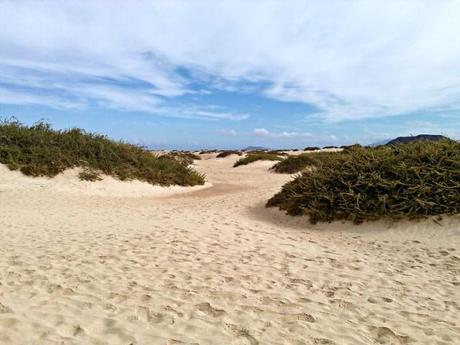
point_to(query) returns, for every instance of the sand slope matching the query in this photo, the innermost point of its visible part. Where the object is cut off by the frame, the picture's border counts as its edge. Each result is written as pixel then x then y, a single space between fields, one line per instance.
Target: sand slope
pixel 212 266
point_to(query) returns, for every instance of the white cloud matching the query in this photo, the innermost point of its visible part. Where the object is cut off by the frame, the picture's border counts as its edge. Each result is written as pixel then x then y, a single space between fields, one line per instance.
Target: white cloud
pixel 351 60
pixel 20 97
pixel 227 132
pixel 262 132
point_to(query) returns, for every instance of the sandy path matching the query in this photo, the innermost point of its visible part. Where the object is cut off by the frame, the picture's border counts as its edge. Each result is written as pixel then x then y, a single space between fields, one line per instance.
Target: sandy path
pixel 214 267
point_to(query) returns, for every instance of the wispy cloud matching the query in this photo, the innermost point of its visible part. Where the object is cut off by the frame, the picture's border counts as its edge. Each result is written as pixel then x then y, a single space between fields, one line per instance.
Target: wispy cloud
pixel 351 60
pixel 262 132
pixel 227 132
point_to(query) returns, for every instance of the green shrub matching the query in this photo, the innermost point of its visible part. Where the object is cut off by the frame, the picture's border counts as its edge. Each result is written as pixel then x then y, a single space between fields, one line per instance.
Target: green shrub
pixel 295 164
pixel 39 150
pixel 191 155
pixel 273 152
pixel 278 152
pixel 227 153
pixel 252 157
pixel 207 151
pixel 403 181
pixel 88 174
pixel 186 158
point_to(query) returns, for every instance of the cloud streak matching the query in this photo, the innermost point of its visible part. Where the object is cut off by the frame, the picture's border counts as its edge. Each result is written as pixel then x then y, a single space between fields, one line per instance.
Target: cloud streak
pixel 350 60
pixel 264 133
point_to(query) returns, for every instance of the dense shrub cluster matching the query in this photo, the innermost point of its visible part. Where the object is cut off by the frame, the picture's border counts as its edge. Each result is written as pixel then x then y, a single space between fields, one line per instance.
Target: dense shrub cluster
pixel 402 181
pixel 294 164
pixel 39 150
pixel 259 156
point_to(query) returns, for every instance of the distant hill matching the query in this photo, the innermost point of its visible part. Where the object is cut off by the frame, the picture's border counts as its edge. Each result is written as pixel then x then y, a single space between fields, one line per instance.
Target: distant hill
pixel 255 148
pixel 381 142
pixel 405 140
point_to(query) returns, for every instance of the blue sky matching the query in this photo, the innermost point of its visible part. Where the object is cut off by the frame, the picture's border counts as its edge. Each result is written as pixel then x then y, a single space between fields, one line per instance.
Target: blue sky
pixel 228 74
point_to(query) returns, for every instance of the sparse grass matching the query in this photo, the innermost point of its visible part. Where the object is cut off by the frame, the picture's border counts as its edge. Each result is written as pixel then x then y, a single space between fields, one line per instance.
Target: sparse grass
pixel 39 150
pixel 260 156
pixel 403 181
pixel 227 153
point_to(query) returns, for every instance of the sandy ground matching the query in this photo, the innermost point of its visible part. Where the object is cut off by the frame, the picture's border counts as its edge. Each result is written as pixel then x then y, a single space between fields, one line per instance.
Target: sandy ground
pixel 127 263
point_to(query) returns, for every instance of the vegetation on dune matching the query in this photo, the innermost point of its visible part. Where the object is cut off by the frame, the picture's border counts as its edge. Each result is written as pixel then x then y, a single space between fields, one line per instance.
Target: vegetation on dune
pixel 88 174
pixel 351 147
pixel 273 152
pixel 295 164
pixel 207 151
pixel 414 180
pixel 227 153
pixel 259 156
pixel 311 148
pixel 278 152
pixel 38 150
pixel 188 154
pixel 184 157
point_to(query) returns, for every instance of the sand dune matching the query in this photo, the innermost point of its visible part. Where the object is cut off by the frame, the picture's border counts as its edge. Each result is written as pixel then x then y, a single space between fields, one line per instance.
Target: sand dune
pixel 127 263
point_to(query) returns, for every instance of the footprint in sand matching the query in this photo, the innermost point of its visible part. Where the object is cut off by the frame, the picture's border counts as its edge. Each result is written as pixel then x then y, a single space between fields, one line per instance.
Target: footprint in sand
pixel 144 314
pixel 209 310
pixel 385 336
pixel 172 310
pixel 342 304
pixel 301 317
pixel 375 300
pixel 322 341
pixel 177 342
pixel 241 332
pixel 4 309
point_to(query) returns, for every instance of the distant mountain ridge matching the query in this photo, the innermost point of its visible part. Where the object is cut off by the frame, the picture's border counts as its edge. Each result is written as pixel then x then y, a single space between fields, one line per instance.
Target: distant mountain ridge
pixel 255 148
pixel 420 137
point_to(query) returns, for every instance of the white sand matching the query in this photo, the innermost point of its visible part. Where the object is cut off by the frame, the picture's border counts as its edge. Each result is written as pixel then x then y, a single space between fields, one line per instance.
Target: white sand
pixel 128 263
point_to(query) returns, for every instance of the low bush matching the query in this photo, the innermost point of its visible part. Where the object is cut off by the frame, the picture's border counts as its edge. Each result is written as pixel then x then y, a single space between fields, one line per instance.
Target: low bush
pixel 351 147
pixel 227 153
pixel 252 157
pixel 402 181
pixel 278 152
pixel 184 157
pixel 295 164
pixel 88 174
pixel 38 150
pixel 207 151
